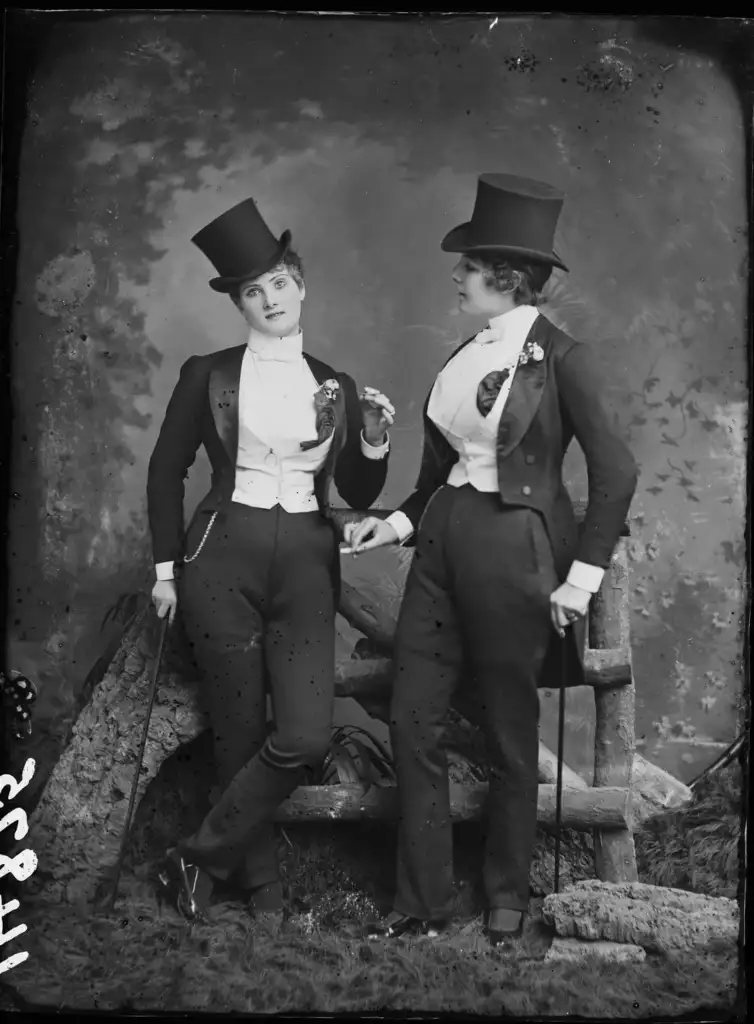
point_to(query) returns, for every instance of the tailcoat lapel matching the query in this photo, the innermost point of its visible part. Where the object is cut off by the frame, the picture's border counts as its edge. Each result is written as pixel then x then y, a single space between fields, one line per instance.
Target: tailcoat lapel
pixel 525 394
pixel 224 382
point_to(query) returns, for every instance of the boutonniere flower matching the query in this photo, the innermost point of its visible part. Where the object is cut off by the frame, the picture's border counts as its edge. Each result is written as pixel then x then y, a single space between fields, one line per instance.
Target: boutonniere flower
pixel 531 353
pixel 324 399
pixel 326 393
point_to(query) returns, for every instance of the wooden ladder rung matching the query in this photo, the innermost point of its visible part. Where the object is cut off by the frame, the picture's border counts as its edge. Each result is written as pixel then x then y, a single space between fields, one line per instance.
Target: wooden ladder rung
pixel 608 667
pixel 372 677
pixel 582 809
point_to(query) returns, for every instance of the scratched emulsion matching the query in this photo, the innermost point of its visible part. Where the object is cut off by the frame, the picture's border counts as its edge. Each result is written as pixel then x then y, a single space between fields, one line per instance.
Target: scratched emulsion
pixel 365 139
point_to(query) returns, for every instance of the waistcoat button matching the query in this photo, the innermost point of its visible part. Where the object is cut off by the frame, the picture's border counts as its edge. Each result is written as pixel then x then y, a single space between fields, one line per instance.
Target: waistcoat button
pixel 529 460
pixel 526 490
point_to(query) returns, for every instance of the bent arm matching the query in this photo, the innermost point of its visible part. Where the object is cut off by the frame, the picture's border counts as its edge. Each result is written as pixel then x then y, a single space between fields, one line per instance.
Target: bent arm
pixel 611 468
pixel 361 468
pixel 435 466
pixel 174 453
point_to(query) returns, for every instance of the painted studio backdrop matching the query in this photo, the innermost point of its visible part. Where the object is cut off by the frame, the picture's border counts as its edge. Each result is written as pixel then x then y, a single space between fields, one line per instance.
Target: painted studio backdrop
pixel 365 138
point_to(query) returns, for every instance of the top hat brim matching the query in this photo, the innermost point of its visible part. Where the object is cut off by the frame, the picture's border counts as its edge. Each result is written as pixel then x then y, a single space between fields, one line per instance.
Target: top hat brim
pixel 227 284
pixel 461 239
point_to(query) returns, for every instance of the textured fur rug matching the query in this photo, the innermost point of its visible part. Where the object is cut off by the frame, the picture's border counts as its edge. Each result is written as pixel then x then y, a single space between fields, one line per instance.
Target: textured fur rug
pixel 144 957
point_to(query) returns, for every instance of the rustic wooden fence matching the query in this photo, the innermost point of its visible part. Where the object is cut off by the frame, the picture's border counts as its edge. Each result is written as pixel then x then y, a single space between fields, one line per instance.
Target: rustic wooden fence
pixel 77 824
pixel 605 808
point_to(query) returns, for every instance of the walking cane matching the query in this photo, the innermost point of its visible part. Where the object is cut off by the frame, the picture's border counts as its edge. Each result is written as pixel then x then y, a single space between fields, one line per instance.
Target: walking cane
pixel 137 773
pixel 559 783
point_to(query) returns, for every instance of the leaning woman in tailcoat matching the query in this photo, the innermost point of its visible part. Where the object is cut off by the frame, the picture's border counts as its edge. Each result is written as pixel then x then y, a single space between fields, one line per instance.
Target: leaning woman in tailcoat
pixel 500 570
pixel 256 574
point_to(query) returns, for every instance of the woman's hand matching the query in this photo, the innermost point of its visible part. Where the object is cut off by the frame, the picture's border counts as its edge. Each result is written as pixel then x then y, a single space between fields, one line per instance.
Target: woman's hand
pixel 165 598
pixel 369 533
pixel 567 604
pixel 378 414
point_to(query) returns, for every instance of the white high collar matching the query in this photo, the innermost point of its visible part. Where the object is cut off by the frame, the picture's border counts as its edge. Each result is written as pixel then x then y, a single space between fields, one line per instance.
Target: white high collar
pixel 276 350
pixel 513 322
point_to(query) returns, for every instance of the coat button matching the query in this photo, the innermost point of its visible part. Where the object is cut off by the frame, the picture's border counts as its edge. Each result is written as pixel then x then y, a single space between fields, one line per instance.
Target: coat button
pixel 526 490
pixel 529 460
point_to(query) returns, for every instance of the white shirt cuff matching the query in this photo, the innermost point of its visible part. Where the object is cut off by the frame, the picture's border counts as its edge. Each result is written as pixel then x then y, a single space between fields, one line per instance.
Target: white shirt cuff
pixel 372 452
pixel 585 577
pixel 401 524
pixel 164 571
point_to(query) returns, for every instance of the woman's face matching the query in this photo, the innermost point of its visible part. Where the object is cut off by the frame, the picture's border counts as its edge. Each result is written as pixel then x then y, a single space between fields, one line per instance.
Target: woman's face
pixel 477 295
pixel 271 303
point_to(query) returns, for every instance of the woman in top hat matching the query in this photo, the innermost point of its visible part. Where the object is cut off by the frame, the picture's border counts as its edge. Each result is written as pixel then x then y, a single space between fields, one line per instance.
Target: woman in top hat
pixel 500 569
pixel 259 566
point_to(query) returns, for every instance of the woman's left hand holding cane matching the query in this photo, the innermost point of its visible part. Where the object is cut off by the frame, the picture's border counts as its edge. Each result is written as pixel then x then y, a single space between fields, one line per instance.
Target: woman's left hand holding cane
pixel 567 605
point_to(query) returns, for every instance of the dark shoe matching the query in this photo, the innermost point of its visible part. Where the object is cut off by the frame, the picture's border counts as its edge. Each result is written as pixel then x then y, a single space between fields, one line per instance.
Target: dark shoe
pixel 402 924
pixel 501 931
pixel 187 886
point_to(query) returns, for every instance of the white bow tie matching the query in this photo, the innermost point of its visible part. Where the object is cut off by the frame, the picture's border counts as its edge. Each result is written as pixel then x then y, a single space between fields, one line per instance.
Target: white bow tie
pixel 276 350
pixel 271 356
pixel 488 335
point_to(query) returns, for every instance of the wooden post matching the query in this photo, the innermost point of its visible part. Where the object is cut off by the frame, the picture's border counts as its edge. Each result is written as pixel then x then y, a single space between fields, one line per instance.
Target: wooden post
pixel 614 743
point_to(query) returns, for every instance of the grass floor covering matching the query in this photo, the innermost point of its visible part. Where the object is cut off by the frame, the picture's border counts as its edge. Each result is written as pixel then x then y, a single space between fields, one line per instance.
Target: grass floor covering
pixel 144 957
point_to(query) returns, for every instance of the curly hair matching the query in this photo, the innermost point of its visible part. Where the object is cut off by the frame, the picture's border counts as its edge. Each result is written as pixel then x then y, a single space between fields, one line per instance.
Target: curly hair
pixel 526 280
pixel 290 261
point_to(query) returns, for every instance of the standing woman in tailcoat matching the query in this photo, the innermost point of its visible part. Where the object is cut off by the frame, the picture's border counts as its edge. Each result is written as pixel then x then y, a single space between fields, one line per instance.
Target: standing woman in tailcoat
pixel 501 576
pixel 256 574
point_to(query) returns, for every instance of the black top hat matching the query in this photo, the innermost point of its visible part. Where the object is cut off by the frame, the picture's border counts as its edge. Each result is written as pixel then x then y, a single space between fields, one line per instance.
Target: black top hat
pixel 513 216
pixel 240 245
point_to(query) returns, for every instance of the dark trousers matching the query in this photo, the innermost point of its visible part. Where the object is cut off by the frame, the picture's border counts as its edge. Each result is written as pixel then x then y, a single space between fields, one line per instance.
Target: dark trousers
pixel 476 613
pixel 258 604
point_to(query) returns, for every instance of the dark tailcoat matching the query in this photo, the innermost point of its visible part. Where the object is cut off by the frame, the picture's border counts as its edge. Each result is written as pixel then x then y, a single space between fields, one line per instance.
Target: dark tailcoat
pixel 550 402
pixel 203 410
